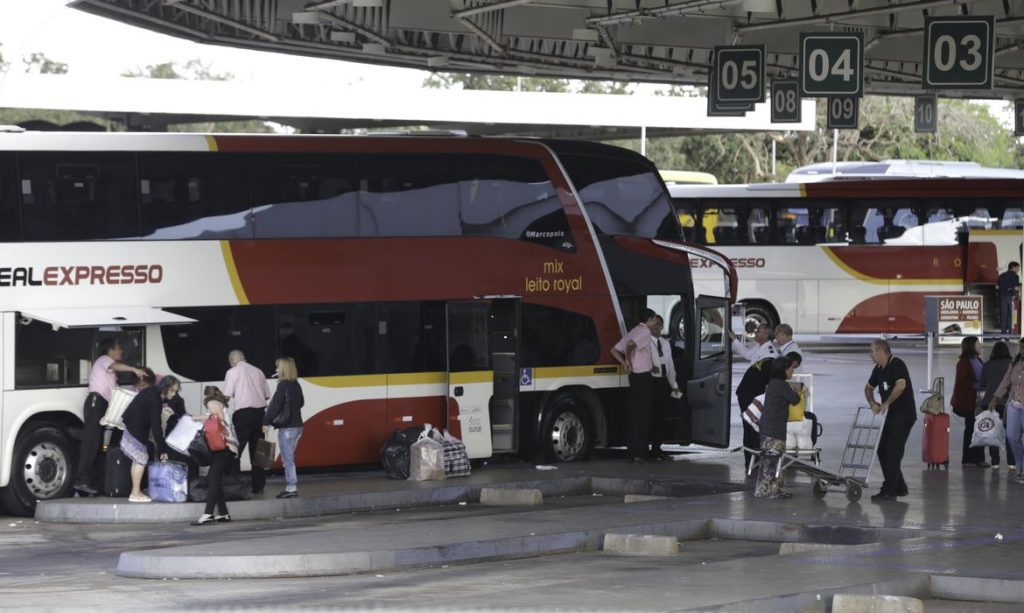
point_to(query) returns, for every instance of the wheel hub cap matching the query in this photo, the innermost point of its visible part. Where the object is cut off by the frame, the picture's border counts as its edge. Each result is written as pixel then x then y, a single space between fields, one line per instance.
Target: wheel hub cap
pixel 46 470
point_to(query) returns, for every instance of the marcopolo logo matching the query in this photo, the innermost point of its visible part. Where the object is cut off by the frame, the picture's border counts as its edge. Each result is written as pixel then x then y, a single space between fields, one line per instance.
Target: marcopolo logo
pixel 115 274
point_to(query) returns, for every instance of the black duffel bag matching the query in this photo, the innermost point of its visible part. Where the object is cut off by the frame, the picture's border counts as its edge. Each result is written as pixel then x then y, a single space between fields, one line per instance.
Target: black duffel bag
pixel 394 455
pixel 235 487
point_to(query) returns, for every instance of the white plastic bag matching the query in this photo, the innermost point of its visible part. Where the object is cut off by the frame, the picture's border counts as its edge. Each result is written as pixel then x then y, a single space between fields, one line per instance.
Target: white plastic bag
pixel 988 430
pixel 426 459
pixel 798 435
pixel 752 414
pixel 119 401
pixel 184 431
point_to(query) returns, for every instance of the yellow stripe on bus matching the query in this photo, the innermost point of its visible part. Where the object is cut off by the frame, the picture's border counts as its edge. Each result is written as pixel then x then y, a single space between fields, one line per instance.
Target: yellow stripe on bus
pixel 349 381
pixel 236 281
pixel 561 372
pixel 879 281
pixel 479 376
pixel 211 143
pixel 978 232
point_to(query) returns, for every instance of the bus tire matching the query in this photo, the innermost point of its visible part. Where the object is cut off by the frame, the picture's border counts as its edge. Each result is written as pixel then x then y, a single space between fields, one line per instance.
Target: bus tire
pixel 758 313
pixel 42 468
pixel 566 432
pixel 676 323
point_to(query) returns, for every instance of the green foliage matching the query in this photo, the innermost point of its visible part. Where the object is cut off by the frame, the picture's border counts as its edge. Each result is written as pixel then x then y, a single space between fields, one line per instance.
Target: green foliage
pixel 38 63
pixel 194 70
pixel 494 82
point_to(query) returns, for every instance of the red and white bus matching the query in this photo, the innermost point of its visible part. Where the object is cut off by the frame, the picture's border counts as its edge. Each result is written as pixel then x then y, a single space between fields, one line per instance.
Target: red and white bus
pixel 857 255
pixel 472 283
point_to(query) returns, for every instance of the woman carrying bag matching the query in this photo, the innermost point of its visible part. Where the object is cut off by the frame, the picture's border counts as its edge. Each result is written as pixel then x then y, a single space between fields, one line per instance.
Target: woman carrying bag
pixel 223 443
pixel 965 398
pixel 285 413
pixel 142 421
pixel 1011 389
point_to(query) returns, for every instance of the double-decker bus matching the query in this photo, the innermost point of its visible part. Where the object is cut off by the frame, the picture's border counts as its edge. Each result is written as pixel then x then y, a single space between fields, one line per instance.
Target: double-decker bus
pixel 858 254
pixel 471 283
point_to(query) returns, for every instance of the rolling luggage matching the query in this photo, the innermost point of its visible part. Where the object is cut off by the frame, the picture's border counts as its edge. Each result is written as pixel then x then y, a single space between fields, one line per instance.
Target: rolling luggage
pixel 935 440
pixel 117 473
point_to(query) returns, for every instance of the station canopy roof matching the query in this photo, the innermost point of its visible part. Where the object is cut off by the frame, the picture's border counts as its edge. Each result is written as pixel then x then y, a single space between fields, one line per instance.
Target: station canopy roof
pixel 661 41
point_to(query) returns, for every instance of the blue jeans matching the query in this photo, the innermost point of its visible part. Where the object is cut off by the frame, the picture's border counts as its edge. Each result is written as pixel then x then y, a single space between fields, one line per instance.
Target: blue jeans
pixel 1014 427
pixel 1006 314
pixel 288 440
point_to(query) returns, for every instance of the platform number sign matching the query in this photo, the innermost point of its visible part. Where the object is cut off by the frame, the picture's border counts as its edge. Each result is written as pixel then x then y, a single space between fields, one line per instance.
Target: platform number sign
pixel 1018 117
pixel 958 52
pixel 831 64
pixel 786 101
pixel 926 113
pixel 739 75
pixel 843 113
pixel 716 108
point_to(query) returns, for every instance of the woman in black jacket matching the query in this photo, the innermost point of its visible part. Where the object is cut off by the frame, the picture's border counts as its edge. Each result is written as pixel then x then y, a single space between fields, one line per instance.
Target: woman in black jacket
pixel 142 420
pixel 287 403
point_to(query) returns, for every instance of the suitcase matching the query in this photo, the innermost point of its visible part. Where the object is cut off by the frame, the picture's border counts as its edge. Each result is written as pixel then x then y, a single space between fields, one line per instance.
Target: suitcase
pixel 935 440
pixel 117 473
pixel 168 481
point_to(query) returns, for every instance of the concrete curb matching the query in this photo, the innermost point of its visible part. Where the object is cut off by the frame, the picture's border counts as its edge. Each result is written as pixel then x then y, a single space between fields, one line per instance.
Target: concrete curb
pixel 640 544
pixel 495 496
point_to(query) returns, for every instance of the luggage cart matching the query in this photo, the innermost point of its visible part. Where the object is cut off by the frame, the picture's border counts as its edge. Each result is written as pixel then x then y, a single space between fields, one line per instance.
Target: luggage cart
pixel 855 469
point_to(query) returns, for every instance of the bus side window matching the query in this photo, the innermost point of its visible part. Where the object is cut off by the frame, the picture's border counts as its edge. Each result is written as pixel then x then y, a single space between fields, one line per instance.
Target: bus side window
pixel 1012 219
pixel 296 195
pixel 556 337
pixel 408 195
pixel 194 196
pixel 329 339
pixel 10 217
pixel 511 197
pixel 78 196
pixel 200 350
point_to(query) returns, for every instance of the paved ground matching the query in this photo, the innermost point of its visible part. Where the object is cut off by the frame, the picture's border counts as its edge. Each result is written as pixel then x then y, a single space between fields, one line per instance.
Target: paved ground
pixel 958 536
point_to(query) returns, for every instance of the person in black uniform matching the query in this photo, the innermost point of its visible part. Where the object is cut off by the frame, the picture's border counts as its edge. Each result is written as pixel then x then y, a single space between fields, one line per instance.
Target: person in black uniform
pixel 892 379
pixel 753 384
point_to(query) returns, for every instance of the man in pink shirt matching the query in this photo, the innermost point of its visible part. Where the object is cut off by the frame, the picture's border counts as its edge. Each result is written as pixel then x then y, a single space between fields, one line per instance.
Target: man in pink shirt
pixel 633 352
pixel 102 381
pixel 247 387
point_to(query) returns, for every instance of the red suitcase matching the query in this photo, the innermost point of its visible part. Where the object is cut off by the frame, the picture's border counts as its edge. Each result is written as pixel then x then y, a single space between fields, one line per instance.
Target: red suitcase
pixel 935 440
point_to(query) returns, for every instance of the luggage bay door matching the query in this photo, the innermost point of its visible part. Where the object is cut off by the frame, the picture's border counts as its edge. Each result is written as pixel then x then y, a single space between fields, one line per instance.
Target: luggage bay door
pixel 709 387
pixel 483 368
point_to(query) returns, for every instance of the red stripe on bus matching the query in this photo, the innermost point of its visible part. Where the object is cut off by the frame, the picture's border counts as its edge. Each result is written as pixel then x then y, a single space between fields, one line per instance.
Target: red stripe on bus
pixel 916 188
pixel 895 263
pixel 873 315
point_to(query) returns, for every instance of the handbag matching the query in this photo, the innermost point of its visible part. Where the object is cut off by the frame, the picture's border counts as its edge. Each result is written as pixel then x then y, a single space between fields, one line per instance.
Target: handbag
pixel 183 432
pixel 119 401
pixel 284 415
pixel 265 454
pixel 199 450
pixel 935 402
pixel 214 431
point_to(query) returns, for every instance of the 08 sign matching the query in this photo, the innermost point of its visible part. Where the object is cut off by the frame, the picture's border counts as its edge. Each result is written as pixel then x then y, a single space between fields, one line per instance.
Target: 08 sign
pixel 831 65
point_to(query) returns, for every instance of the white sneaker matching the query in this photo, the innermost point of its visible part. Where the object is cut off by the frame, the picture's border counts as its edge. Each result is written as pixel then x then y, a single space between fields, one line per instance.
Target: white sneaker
pixel 995 466
pixel 142 498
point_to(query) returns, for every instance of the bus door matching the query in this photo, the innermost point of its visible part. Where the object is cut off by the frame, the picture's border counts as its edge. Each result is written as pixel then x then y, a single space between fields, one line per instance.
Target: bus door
pixel 708 389
pixel 483 373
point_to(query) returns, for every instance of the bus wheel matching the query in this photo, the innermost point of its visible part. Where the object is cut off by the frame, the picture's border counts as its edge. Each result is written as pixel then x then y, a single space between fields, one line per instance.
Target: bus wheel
pixel 758 313
pixel 566 434
pixel 41 469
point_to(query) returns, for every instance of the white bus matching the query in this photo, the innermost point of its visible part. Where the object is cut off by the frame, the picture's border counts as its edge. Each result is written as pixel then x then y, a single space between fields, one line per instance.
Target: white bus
pixel 474 284
pixel 857 255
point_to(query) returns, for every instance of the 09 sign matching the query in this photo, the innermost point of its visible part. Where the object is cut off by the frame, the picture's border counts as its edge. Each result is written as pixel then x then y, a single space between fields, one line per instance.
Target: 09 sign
pixel 739 75
pixel 831 65
pixel 958 52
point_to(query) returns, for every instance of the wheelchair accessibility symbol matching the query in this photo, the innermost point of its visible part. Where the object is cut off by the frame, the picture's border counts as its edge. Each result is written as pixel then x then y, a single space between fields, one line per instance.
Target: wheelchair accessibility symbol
pixel 527 377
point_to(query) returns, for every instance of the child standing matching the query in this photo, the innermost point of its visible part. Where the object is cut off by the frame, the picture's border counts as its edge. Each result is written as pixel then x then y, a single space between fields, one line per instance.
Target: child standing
pixel 777 398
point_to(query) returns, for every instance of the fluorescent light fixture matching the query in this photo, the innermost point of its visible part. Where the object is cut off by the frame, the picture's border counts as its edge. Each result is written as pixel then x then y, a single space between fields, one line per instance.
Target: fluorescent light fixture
pixel 374 48
pixel 306 18
pixel 585 34
pixel 338 36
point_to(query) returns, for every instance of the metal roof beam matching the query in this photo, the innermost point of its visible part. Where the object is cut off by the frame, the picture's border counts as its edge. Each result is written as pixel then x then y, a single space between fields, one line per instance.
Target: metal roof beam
pixel 486 8
pixel 834 17
pixel 241 27
pixel 670 10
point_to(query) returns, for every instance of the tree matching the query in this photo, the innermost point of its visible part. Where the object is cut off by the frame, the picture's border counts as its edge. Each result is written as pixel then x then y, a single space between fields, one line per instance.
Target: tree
pixel 38 63
pixel 466 80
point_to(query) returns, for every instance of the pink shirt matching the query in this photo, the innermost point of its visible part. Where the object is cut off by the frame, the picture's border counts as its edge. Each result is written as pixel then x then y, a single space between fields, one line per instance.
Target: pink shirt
pixel 101 378
pixel 247 386
pixel 641 360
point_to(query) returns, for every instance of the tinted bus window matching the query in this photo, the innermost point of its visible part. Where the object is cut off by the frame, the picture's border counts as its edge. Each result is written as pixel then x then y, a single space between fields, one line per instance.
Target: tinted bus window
pixel 10 216
pixel 194 196
pixel 415 340
pixel 408 195
pixel 78 196
pixel 200 350
pixel 329 339
pixel 49 358
pixel 297 195
pixel 511 197
pixel 555 337
pixel 622 197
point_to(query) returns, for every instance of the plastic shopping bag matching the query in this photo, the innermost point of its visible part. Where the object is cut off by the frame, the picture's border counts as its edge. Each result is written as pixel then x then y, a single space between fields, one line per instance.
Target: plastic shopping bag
pixel 168 481
pixel 426 459
pixel 988 430
pixel 752 414
pixel 119 400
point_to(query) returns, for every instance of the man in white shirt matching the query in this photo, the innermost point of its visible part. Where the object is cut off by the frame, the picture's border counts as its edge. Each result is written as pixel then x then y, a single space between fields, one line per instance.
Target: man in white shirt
pixel 247 387
pixel 761 348
pixel 784 343
pixel 666 387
